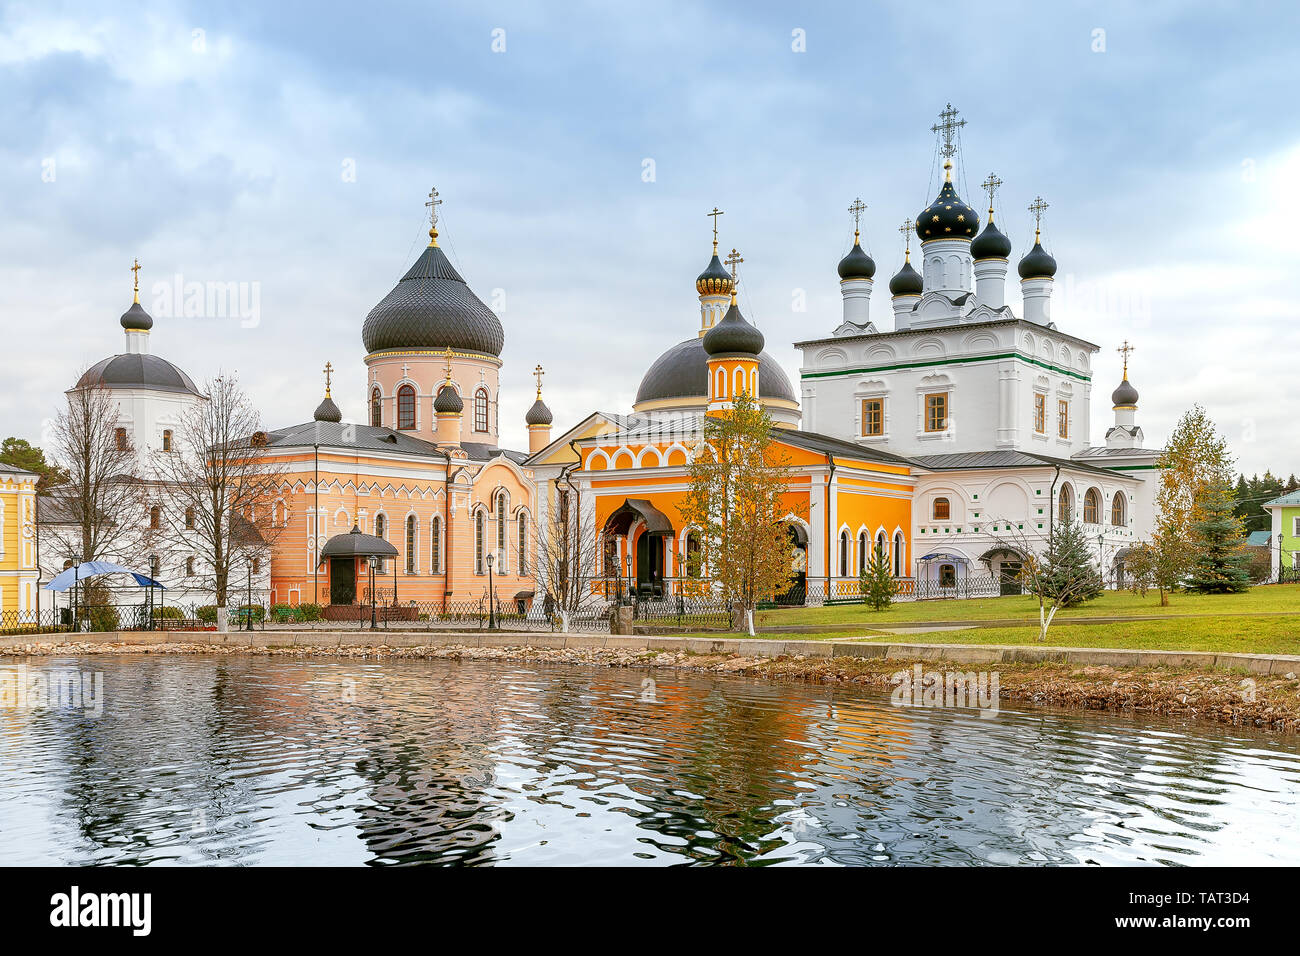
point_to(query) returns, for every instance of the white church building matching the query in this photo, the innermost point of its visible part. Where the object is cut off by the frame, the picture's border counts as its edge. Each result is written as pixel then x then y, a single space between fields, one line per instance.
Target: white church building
pixel 992 403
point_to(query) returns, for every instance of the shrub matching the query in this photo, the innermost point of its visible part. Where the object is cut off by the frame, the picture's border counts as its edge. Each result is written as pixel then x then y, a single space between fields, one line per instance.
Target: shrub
pixel 309 612
pixel 169 612
pixel 254 611
pixel 207 613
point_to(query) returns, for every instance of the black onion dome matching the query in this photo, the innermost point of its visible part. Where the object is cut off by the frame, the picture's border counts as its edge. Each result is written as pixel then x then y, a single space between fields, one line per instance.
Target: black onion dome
pixel 432 308
pixel 991 243
pixel 947 217
pixel 539 414
pixel 136 318
pixel 683 372
pixel 1126 394
pixel 137 370
pixel 448 401
pixel 715 279
pixel 907 281
pixel 733 334
pixel 857 264
pixel 1037 264
pixel 327 411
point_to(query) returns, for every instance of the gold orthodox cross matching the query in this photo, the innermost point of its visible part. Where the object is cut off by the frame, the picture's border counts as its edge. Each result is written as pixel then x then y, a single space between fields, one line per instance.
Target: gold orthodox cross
pixel 715 214
pixel 857 208
pixel 135 273
pixel 991 186
pixel 733 260
pixel 948 126
pixel 1124 350
pixel 1038 207
pixel 328 369
pixel 538 373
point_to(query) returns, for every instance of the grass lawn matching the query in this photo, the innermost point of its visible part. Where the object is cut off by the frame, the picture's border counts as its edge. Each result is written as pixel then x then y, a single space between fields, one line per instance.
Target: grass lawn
pixel 1270 599
pixel 1240 634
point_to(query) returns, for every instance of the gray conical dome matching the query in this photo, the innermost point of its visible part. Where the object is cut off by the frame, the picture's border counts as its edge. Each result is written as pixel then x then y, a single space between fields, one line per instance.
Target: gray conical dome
pixel 733 335
pixel 539 414
pixel 327 411
pixel 432 308
pixel 448 401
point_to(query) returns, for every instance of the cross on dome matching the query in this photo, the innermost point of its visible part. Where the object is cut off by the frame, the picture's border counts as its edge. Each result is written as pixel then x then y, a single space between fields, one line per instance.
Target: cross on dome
pixel 991 186
pixel 1124 350
pixel 433 204
pixel 135 272
pixel 1038 207
pixel 715 214
pixel 538 373
pixel 733 259
pixel 947 127
pixel 329 368
pixel 856 209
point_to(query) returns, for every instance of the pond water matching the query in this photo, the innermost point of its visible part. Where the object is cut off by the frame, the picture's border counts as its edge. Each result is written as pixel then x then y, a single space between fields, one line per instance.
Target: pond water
pixel 203 760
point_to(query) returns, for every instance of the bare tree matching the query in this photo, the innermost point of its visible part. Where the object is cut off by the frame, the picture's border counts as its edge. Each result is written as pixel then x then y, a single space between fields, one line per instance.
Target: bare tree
pixel 1060 576
pixel 566 554
pixel 99 512
pixel 217 489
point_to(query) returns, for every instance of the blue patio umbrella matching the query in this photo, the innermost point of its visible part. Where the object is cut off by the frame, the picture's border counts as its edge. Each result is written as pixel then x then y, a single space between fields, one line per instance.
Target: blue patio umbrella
pixel 89 569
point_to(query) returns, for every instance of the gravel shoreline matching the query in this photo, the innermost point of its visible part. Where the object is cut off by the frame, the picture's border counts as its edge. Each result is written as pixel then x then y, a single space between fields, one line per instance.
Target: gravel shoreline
pixel 1265 702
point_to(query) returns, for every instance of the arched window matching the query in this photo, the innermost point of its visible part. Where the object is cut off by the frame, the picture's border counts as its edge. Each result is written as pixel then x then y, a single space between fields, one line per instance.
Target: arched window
pixel 155 518
pixel 435 545
pixel 167 439
pixel 844 554
pixel 1117 509
pixel 257 565
pixel 189 519
pixel 480 541
pixel 481 410
pixel 1092 507
pixel 882 545
pixel 406 406
pixel 941 509
pixel 1065 504
pixel 898 555
pixel 523 544
pixel 376 407
pixel 862 551
pixel 502 506
pixel 381 526
pixel 947 575
pixel 154 566
pixel 410 544
pixel 189 567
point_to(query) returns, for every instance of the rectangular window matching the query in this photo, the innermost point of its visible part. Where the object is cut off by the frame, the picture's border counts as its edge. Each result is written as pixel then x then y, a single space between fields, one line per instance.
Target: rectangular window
pixel 167 439
pixel 1063 419
pixel 1040 414
pixel 1295 527
pixel 936 412
pixel 435 555
pixel 120 435
pixel 873 417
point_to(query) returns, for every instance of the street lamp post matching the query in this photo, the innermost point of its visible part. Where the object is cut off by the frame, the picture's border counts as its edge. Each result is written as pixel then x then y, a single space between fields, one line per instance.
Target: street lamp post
pixel 492 608
pixel 1101 568
pixel 627 563
pixel 248 612
pixel 370 564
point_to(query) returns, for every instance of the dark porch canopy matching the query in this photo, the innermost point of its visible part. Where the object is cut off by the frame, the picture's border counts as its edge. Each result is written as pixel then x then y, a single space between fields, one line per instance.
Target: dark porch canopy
pixel 656 522
pixel 354 544
pixel 1002 551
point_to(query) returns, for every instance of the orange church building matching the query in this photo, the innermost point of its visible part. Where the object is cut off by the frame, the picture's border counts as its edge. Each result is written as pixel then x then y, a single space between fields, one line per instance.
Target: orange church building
pixel 630 472
pixel 424 474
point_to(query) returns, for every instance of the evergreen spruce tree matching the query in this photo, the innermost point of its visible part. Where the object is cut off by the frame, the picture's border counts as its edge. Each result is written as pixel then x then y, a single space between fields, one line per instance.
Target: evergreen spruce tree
pixel 1068 575
pixel 1220 566
pixel 878 584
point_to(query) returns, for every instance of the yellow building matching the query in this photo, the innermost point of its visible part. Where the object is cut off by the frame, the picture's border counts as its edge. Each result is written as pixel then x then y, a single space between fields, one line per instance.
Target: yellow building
pixel 18 572
pixel 630 473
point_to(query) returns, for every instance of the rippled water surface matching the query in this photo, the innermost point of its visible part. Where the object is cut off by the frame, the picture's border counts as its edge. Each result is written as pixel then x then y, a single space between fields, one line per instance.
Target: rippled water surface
pixel 255 760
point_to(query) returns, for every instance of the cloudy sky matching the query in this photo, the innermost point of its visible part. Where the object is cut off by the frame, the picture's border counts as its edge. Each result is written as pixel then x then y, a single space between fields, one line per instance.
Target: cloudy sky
pixel 288 148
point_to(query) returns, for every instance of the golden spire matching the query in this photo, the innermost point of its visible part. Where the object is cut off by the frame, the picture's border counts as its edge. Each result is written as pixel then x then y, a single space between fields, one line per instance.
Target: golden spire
pixel 1124 350
pixel 446 353
pixel 991 186
pixel 328 369
pixel 857 208
pixel 906 230
pixel 715 214
pixel 135 270
pixel 433 204
pixel 539 373
pixel 1038 207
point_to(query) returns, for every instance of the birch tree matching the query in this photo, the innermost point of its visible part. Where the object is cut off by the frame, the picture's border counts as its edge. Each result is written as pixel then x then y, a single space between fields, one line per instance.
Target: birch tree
pixel 738 479
pixel 566 554
pixel 217 489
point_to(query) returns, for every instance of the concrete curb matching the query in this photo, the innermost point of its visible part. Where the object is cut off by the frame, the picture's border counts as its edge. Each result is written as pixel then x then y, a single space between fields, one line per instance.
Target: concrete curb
pixel 740 646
